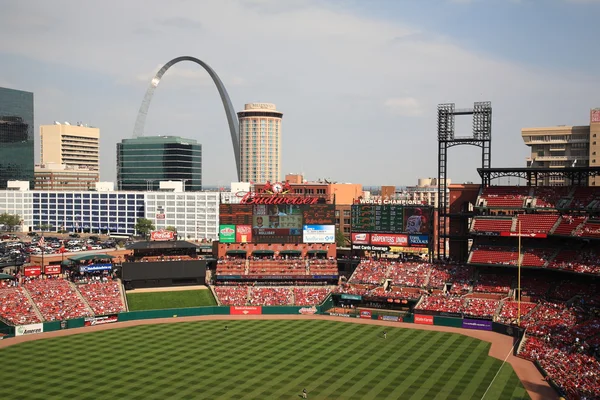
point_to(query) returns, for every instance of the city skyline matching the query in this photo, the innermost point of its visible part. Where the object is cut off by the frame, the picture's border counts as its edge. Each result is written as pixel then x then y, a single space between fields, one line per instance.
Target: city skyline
pixel 360 87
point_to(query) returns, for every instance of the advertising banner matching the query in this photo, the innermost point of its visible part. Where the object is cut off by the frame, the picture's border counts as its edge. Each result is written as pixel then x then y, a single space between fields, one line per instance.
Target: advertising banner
pixel 162 235
pixel 418 240
pixel 34 270
pixel 95 267
pixel 477 324
pixel 31 329
pixel 366 314
pixel 526 235
pixel 333 314
pixel 388 239
pixel 227 233
pixel 391 318
pixel 351 297
pixel 423 319
pixel 52 269
pixel 318 234
pixel 361 238
pixel 105 319
pixel 308 310
pixel 277 231
pixel 413 250
pixel 370 248
pixel 243 233
pixel 245 310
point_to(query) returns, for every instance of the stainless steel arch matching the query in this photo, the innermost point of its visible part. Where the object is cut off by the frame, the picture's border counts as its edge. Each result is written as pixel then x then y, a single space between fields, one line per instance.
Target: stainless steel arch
pixel 232 120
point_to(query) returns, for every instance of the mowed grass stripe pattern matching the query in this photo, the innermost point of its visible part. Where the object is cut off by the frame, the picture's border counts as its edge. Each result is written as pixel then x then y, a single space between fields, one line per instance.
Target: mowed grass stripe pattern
pixel 166 300
pixel 257 359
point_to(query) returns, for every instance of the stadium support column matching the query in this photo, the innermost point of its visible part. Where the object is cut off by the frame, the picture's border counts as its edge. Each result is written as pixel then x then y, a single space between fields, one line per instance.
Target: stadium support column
pixel 481 137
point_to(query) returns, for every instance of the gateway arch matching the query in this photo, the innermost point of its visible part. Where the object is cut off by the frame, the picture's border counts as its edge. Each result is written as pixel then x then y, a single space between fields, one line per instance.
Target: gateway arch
pixel 232 120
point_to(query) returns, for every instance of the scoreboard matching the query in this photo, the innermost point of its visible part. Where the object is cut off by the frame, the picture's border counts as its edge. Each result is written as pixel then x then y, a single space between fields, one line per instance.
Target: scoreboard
pixel 369 218
pixel 238 214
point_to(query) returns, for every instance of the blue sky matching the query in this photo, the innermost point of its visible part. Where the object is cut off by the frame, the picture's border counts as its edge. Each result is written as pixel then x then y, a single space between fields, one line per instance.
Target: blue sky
pixel 358 81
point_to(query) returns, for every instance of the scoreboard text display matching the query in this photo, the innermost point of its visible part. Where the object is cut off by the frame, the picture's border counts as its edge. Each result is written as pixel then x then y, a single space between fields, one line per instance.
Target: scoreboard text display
pixel 391 218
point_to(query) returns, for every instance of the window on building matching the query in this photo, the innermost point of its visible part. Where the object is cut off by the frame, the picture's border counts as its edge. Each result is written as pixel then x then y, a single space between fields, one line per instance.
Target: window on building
pixel 346 213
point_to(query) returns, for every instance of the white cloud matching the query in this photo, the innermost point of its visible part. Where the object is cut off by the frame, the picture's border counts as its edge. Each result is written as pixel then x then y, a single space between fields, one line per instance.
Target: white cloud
pixel 405 106
pixel 330 71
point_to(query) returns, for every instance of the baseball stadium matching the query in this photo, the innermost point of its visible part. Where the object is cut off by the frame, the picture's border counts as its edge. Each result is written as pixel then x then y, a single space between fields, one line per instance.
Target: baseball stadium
pixel 494 295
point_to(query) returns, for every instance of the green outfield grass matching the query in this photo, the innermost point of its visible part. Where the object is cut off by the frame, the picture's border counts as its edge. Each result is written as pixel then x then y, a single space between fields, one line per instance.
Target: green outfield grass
pixel 176 299
pixel 254 359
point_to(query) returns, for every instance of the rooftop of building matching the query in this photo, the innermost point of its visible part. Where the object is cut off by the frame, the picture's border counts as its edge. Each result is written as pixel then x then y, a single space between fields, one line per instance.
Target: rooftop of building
pixel 557 128
pixel 160 139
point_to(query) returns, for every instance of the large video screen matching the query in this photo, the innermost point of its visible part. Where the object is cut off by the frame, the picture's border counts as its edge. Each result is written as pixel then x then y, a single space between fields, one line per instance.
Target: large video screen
pixel 275 223
pixel 388 218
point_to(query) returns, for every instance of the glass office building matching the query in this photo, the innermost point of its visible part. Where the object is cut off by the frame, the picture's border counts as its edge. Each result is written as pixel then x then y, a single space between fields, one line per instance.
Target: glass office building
pixel 16 136
pixel 94 212
pixel 145 161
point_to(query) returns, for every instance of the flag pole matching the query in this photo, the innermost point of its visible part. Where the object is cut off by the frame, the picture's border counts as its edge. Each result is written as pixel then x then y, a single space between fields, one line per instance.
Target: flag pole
pixel 519 279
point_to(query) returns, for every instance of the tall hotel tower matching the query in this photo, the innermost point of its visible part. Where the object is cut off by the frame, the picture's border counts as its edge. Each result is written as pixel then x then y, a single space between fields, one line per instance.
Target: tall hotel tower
pixel 260 143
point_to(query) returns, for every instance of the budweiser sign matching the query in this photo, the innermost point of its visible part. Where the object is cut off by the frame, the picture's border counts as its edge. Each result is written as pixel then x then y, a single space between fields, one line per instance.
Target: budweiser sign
pixel 389 239
pixel 308 310
pixel 162 235
pixel 262 198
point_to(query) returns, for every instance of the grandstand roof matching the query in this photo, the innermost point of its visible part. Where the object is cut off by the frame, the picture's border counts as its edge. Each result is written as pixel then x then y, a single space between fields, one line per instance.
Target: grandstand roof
pixel 577 175
pixel 6 276
pixel 168 244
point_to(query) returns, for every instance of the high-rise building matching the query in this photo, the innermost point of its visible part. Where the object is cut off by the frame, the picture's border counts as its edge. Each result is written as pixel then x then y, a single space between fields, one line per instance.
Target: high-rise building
pixel 260 143
pixel 564 146
pixel 16 136
pixel 71 145
pixel 145 161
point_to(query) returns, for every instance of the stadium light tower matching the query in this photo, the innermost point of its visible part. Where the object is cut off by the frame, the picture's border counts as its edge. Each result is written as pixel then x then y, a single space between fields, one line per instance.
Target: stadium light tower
pixel 481 137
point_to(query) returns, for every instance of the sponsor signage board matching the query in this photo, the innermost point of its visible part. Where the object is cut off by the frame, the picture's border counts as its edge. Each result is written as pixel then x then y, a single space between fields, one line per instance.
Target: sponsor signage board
pixel 162 235
pixel 52 269
pixel 334 314
pixel 105 319
pixel 22 330
pixel 160 216
pixel 243 233
pixel 526 235
pixel 418 240
pixel 308 310
pixel 245 310
pixel 391 318
pixel 370 248
pixel 95 267
pixel 351 297
pixel 480 324
pixel 34 270
pixel 276 198
pixel 318 234
pixel 365 314
pixel 388 239
pixel 361 238
pixel 227 233
pixel 414 250
pixel 595 115
pixel 423 319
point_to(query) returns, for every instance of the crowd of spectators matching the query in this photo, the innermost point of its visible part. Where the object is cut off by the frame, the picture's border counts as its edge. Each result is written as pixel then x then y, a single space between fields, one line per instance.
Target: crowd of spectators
pixel 232 295
pixel 480 308
pixel 310 296
pixel 442 303
pixel 103 295
pixel 493 283
pixel 15 307
pixel 270 296
pixel 510 311
pixel 56 299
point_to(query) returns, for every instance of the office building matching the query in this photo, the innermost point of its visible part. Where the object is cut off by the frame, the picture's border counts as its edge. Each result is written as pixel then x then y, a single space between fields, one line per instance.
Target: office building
pixel 52 176
pixel 71 145
pixel 16 136
pixel 145 161
pixel 260 143
pixel 195 215
pixel 564 146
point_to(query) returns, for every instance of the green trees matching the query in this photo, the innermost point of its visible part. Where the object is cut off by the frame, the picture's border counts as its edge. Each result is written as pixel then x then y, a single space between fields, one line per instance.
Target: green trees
pixel 144 226
pixel 10 220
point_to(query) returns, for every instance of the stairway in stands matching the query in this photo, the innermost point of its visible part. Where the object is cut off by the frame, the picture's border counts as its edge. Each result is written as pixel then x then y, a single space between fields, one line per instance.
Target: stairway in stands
pixel 74 287
pixel 35 307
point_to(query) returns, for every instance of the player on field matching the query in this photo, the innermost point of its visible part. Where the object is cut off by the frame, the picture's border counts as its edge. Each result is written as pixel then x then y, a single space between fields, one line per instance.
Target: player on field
pixel 304 394
pixel 385 334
